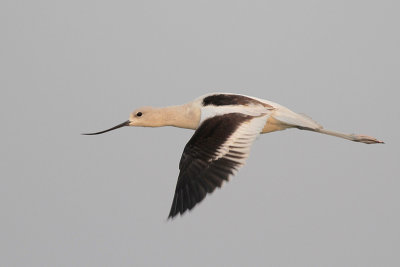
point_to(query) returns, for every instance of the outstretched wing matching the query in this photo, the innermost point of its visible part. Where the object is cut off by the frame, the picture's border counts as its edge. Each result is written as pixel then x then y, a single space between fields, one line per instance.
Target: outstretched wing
pixel 218 148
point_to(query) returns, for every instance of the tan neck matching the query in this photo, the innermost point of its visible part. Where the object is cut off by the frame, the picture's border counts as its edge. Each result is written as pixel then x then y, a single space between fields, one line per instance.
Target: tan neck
pixel 183 116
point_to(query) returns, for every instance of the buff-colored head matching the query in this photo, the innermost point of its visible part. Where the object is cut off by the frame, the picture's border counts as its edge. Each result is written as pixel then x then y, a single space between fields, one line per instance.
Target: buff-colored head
pixel 146 117
pixel 184 116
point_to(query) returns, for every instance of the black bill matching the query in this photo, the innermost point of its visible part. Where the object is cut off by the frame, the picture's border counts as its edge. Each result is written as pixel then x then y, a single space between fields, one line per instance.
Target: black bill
pixel 126 123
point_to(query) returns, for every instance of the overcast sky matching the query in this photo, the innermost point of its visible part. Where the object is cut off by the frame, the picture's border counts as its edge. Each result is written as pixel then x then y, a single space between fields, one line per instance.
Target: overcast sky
pixel 302 199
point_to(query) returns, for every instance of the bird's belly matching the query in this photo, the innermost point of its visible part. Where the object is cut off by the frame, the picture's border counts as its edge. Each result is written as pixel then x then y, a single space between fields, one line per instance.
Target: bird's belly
pixel 273 125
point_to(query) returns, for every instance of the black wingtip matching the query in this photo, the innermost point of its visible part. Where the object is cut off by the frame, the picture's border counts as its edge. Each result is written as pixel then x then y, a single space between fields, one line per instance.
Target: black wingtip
pixel 172 216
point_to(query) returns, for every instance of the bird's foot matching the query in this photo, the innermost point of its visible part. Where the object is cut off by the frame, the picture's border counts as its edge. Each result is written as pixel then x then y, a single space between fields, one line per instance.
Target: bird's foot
pixel 366 139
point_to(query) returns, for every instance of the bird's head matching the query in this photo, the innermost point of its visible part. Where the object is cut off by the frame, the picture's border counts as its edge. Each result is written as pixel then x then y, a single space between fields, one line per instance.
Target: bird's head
pixel 144 116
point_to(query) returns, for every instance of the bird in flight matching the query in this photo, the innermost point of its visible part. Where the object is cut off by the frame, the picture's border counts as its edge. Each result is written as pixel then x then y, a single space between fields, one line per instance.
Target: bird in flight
pixel 225 127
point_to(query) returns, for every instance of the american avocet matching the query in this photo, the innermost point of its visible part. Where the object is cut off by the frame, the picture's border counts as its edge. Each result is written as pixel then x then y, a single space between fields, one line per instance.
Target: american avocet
pixel 226 125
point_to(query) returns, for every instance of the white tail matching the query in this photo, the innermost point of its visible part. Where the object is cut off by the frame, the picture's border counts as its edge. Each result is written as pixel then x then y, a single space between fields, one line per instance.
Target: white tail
pixel 291 119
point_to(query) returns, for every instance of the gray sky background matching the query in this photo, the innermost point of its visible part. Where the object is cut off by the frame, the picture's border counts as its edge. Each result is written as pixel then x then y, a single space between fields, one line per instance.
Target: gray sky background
pixel 303 199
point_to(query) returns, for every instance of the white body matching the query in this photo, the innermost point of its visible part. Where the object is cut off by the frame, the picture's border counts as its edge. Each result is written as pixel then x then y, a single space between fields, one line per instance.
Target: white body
pixel 226 126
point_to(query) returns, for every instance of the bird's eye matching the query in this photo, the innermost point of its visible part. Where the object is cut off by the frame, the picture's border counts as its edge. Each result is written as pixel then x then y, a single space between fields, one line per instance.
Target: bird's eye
pixel 139 114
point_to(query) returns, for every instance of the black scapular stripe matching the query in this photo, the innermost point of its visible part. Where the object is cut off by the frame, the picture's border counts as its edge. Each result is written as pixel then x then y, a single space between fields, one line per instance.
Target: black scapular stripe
pixel 228 99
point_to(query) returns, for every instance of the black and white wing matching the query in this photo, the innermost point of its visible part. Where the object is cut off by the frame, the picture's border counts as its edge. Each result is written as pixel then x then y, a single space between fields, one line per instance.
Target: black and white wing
pixel 218 148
